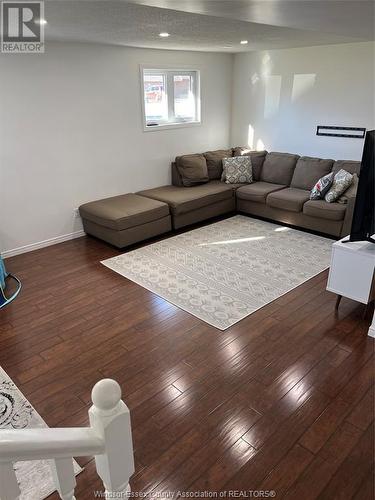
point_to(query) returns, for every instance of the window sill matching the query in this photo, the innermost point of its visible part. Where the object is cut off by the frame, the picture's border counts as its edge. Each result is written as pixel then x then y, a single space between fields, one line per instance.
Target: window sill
pixel 168 126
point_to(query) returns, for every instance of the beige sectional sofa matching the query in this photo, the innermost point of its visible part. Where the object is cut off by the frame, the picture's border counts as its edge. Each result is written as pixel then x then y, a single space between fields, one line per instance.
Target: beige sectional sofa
pixel 280 192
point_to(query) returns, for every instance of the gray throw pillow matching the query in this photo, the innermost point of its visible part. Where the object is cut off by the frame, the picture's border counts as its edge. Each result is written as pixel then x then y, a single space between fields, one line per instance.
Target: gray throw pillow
pixel 351 192
pixel 341 182
pixel 237 170
pixel 321 187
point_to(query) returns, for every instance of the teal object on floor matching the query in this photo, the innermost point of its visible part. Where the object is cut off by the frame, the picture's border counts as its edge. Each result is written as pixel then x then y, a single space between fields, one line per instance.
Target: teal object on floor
pixel 4 277
pixel 3 273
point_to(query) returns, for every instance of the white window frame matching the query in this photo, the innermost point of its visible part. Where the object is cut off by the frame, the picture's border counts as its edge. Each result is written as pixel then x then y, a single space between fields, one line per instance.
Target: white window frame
pixel 169 73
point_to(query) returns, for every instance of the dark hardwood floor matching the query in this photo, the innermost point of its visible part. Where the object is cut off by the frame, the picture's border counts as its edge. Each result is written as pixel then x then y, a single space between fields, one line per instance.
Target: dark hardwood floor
pixel 281 401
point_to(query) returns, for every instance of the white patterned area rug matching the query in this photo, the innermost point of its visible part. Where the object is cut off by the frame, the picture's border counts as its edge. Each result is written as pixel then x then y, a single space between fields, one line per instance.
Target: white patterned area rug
pixel 34 478
pixel 225 271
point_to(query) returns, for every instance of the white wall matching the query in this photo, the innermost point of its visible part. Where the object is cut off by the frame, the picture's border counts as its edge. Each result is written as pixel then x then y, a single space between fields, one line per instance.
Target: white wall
pixel 71 131
pixel 280 96
pixel 71 125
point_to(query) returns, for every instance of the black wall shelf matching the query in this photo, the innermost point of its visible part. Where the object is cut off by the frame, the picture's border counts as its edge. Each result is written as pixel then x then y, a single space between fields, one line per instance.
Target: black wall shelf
pixel 351 132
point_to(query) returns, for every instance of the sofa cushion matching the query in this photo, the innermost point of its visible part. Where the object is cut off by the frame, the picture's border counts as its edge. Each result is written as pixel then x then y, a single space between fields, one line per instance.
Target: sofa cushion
pixel 324 210
pixel 185 199
pixel 278 168
pixel 291 199
pixel 257 159
pixel 353 167
pixel 124 211
pixel 308 171
pixel 193 169
pixel 241 150
pixel 258 191
pixel 214 162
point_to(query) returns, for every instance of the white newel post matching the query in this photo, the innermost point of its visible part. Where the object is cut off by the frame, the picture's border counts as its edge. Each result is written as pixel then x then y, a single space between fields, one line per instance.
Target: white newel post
pixel 110 418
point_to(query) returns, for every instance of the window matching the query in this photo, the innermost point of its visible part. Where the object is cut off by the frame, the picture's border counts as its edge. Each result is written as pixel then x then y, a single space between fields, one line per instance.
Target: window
pixel 170 97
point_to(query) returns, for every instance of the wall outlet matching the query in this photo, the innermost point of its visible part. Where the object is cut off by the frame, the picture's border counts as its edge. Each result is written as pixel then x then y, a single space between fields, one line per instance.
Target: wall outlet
pixel 76 212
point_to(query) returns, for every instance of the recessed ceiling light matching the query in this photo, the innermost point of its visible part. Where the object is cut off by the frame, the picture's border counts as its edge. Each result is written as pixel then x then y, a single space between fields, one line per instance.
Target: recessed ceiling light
pixel 41 21
pixel 164 34
pixel 244 42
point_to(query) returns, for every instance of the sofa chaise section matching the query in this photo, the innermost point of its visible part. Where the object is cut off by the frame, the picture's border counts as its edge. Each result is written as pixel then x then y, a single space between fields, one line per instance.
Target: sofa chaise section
pixel 189 205
pixel 126 219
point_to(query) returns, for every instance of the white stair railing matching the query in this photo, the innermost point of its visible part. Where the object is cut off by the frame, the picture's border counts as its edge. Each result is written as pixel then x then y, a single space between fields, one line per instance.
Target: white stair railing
pixel 108 438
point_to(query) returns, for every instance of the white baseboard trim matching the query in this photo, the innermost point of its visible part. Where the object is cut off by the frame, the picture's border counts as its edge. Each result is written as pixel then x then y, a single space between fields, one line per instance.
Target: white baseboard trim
pixel 42 244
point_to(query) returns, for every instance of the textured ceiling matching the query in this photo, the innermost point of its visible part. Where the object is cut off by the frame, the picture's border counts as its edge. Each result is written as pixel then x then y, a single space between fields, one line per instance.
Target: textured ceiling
pixel 343 17
pixel 216 27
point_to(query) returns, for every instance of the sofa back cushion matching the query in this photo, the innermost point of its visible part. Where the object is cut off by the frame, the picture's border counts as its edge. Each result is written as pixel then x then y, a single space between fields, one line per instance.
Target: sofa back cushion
pixel 353 167
pixel 257 159
pixel 309 170
pixel 241 151
pixel 214 162
pixel 176 177
pixel 278 168
pixel 192 169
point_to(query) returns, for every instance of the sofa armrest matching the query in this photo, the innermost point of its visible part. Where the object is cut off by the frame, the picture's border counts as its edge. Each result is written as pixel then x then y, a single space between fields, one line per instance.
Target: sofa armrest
pixel 346 227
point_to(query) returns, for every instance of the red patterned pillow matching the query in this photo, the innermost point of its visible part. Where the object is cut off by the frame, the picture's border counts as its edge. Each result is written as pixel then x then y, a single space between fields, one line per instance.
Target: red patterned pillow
pixel 322 187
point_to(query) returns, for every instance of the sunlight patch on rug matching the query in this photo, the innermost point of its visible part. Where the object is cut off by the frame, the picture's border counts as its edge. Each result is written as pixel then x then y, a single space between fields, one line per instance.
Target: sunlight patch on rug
pixel 225 271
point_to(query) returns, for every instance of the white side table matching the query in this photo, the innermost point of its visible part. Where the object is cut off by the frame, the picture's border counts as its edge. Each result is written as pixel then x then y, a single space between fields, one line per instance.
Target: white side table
pixel 352 272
